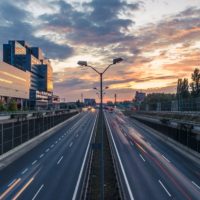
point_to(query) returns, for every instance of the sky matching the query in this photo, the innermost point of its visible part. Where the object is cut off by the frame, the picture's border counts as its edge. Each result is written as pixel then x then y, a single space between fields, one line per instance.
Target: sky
pixel 159 42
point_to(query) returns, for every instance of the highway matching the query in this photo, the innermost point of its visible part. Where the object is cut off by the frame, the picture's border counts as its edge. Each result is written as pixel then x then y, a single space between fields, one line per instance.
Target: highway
pixel 54 168
pixel 149 168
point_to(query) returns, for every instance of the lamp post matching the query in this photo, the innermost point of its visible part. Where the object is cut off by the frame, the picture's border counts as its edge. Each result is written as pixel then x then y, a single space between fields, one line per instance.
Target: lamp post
pixel 84 63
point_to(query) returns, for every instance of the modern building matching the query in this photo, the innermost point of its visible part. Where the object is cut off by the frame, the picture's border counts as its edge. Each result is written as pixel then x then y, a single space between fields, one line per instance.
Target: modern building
pixel 22 56
pixel 14 83
pixel 90 102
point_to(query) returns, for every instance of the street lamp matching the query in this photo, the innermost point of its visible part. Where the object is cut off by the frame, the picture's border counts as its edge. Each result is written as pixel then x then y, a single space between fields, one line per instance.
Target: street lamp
pixel 84 63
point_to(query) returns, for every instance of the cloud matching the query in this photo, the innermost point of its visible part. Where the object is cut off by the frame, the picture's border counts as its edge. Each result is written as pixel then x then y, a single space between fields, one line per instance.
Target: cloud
pixel 100 26
pixel 15 24
pixel 160 51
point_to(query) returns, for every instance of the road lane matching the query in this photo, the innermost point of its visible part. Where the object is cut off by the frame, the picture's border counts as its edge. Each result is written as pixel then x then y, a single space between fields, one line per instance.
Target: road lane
pixel 149 172
pixel 53 177
pixel 187 167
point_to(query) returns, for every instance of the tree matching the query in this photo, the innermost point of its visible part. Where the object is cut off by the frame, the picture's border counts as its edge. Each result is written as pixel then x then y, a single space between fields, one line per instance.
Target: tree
pixel 183 88
pixel 110 103
pixel 2 107
pixel 195 84
pixel 152 99
pixel 12 106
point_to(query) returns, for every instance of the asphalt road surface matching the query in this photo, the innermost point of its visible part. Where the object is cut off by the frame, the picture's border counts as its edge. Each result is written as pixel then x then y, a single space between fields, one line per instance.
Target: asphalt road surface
pixel 149 168
pixel 53 169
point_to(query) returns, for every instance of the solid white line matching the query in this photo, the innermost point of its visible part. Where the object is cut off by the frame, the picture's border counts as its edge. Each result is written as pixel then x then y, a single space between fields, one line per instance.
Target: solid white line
pixel 56 142
pixel 148 143
pixel 34 162
pixel 41 155
pixel 142 157
pixel 11 182
pixel 59 139
pixel 37 192
pixel 70 144
pixel 59 160
pixel 165 158
pixel 164 188
pixel 196 185
pixel 47 150
pixel 120 162
pixel 52 145
pixel 25 171
pixel 83 163
pixel 131 143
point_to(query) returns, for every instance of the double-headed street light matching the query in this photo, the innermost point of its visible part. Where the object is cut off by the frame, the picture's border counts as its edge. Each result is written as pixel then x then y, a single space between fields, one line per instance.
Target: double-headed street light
pixel 115 61
pixel 84 63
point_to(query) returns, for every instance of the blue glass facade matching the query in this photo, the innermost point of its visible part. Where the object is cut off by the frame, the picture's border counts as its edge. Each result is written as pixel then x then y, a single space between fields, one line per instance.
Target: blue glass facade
pixel 24 57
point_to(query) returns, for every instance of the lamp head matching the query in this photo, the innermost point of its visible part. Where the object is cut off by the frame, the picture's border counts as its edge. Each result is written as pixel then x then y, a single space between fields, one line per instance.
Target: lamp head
pixel 117 60
pixel 82 63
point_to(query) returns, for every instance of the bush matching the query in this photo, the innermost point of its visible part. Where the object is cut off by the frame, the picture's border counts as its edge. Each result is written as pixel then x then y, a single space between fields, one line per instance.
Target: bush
pixel 12 106
pixel 2 107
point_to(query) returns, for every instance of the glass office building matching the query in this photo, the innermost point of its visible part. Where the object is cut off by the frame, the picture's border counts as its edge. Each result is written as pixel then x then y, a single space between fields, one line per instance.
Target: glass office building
pixel 22 56
pixel 14 83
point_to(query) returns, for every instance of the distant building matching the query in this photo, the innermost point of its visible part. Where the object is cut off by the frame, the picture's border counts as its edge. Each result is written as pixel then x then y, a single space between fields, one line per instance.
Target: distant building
pixel 139 96
pixel 21 55
pixel 89 102
pixel 14 83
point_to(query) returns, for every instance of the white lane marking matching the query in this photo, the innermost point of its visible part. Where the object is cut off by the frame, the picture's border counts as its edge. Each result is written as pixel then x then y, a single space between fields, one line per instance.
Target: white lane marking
pixel 52 145
pixel 165 158
pixel 47 150
pixel 11 182
pixel 77 135
pixel 56 142
pixel 59 139
pixel 164 188
pixel 142 157
pixel 148 143
pixel 70 144
pixel 131 143
pixel 37 192
pixel 83 163
pixel 59 160
pixel 120 162
pixel 196 185
pixel 41 155
pixel 34 162
pixel 25 171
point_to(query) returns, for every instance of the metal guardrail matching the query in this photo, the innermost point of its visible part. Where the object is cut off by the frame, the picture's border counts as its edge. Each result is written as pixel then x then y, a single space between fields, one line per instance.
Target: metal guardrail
pixel 178 121
pixel 31 112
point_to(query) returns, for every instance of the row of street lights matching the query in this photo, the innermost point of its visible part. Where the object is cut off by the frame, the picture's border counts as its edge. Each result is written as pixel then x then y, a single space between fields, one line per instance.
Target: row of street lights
pixel 84 64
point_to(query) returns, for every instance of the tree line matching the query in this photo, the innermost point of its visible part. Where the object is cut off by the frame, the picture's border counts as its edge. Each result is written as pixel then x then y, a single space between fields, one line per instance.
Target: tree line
pixel 185 89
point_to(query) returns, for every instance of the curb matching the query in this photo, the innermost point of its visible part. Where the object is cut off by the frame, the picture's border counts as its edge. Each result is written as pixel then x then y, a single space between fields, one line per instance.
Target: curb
pixel 12 155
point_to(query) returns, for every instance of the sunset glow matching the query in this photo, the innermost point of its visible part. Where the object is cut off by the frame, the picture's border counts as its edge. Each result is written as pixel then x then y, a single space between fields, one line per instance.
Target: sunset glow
pixel 159 41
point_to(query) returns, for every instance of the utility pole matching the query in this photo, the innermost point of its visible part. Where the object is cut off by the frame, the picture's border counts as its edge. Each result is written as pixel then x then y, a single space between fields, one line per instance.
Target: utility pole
pixel 115 99
pixel 81 97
